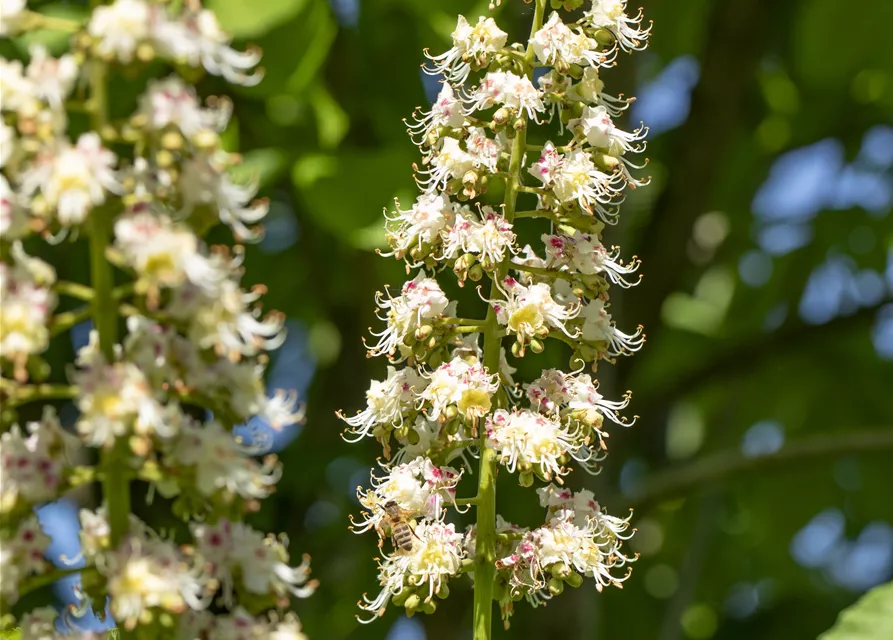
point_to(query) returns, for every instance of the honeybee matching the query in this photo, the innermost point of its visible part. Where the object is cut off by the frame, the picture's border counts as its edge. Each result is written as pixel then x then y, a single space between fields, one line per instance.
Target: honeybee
pixel 401 531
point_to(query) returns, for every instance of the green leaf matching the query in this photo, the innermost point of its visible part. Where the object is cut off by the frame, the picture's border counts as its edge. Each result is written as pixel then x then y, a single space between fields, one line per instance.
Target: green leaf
pixel 323 29
pixel 332 121
pixel 345 194
pixel 252 19
pixel 56 41
pixel 871 618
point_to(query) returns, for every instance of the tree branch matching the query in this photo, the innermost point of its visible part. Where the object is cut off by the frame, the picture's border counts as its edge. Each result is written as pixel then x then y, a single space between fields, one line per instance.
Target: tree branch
pixel 719 467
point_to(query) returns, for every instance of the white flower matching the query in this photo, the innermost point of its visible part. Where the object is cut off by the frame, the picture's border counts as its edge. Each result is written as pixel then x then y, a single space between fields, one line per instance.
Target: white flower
pixel 420 299
pixel 52 78
pixel 484 151
pixel 584 253
pixel 220 462
pixel 28 302
pixel 239 386
pixel 116 400
pixel 447 111
pixel 227 319
pixel 436 555
pixel 147 572
pixel 576 179
pixel 22 555
pixel 598 327
pixel 426 434
pixel 599 130
pixel 13 216
pixel 418 487
pixel 554 391
pixel 261 562
pixel 467 386
pixel 119 28
pixel 555 44
pixel 611 15
pixel 39 624
pixel 471 46
pixel 530 311
pixel 73 179
pixel 489 239
pixel 11 15
pixel 590 88
pixel 449 161
pixel 239 625
pixel 422 224
pixel 196 39
pixel 525 441
pixel 171 102
pixel 388 402
pixel 161 252
pixel 32 466
pixel 504 87
pixel 547 167
pixel 16 90
pixel 205 182
pixel 578 540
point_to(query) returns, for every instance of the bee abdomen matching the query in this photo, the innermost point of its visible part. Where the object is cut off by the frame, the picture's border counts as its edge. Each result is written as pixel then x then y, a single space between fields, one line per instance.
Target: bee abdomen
pixel 402 536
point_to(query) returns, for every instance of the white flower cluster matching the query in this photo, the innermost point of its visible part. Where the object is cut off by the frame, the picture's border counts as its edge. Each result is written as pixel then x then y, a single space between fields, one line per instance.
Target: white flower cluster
pixel 578 541
pixel 421 299
pixel 135 29
pixel 435 229
pixel 34 464
pixel 412 579
pixel 159 403
pixel 418 488
pixel 455 396
pixel 22 555
pixel 28 302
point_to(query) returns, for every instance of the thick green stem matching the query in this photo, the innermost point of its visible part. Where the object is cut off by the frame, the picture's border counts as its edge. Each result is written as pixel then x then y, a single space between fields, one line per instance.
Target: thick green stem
pixel 116 483
pixel 116 478
pixel 485 554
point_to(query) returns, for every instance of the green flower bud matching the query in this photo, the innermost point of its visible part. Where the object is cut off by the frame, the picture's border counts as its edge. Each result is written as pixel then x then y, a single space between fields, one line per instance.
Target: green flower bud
pixel 412 603
pixel 400 598
pixel 517 349
pixel 424 331
pixel 536 346
pixel 574 579
pixel 604 37
pixel 525 479
pixel 556 586
pixel 172 140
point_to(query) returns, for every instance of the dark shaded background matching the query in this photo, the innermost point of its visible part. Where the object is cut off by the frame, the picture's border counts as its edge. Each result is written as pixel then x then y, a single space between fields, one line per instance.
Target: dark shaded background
pixel 766 240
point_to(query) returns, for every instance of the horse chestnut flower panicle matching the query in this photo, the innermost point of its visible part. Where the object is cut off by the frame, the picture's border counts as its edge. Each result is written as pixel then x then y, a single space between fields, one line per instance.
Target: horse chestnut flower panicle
pixel 455 397
pixel 159 403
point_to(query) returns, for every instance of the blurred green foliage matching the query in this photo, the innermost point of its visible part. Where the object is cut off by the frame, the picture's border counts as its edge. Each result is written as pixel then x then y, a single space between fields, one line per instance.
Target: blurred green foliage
pixel 324 136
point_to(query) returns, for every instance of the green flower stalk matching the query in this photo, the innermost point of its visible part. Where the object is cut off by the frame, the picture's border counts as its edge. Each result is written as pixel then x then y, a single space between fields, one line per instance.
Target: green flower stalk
pixel 486 167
